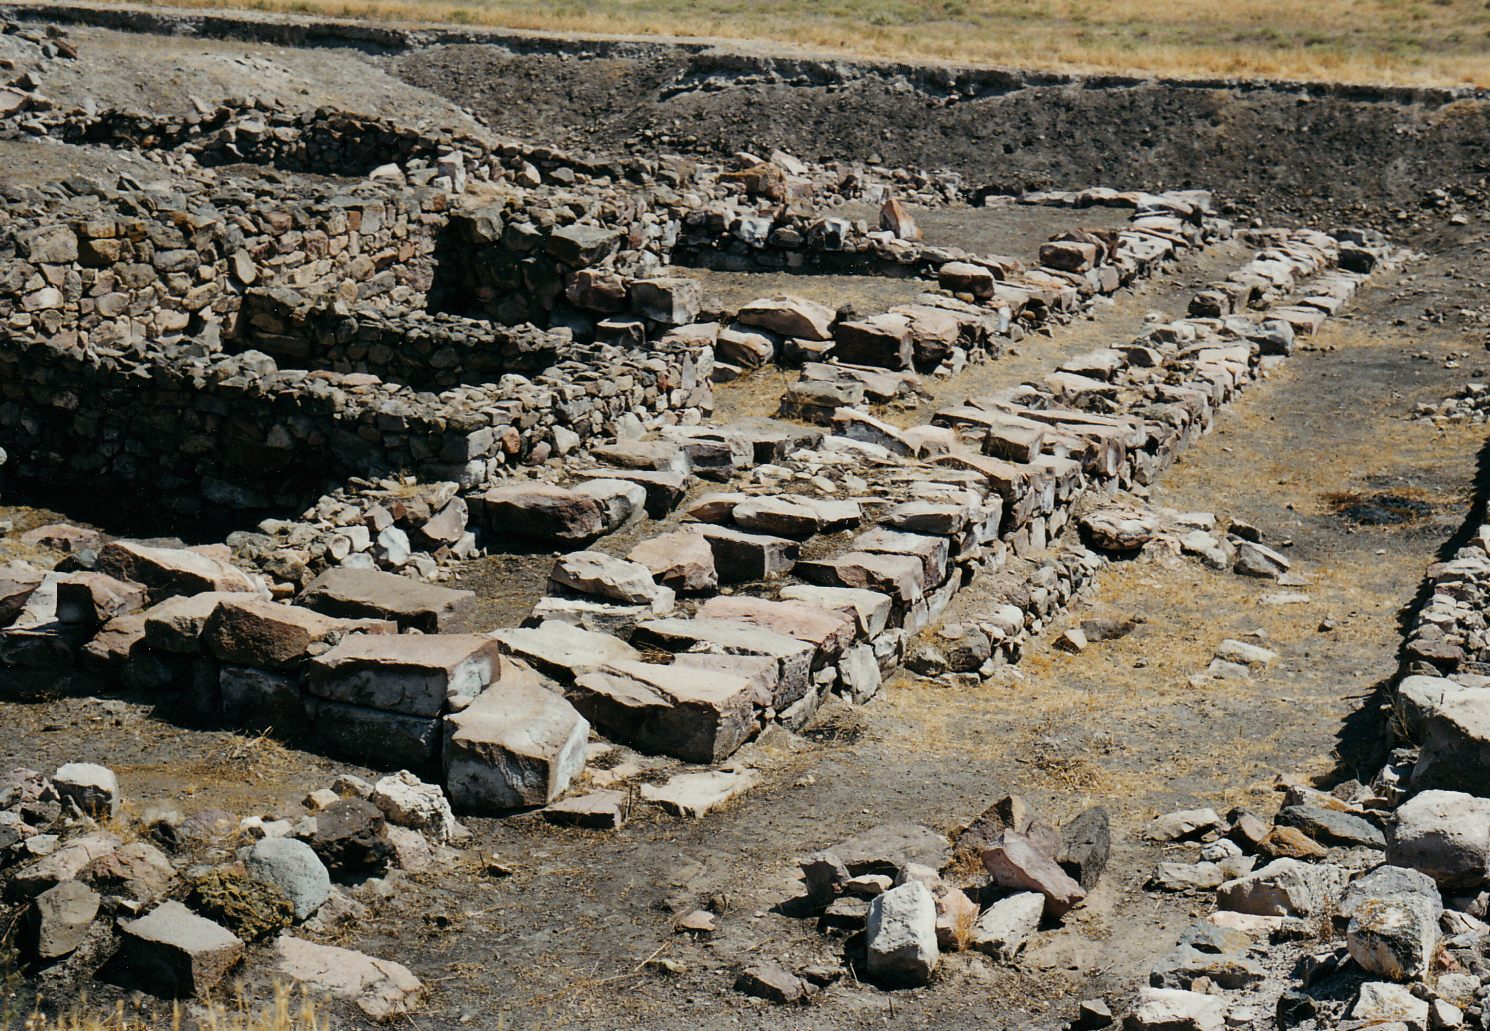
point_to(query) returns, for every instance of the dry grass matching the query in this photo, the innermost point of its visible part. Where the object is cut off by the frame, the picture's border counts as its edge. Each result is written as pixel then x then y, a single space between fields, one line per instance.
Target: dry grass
pixel 290 1011
pixel 1391 41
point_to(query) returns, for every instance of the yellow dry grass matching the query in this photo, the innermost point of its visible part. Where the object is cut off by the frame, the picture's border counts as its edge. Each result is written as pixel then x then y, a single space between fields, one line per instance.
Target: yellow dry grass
pixel 289 1011
pixel 1382 41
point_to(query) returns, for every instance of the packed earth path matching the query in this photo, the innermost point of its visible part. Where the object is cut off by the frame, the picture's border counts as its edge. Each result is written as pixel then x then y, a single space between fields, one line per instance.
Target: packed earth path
pixel 732 552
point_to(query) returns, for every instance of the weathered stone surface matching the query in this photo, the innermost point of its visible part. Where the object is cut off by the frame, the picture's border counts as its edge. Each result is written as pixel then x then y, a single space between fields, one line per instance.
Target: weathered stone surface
pixel 1456 746
pixel 1207 951
pixel 1446 835
pixel 372 594
pixel 266 634
pixel 176 624
pixel 598 810
pixel 60 918
pixel 900 936
pixel 681 560
pixel 1395 936
pixel 604 576
pixel 94 789
pixel 772 982
pixel 294 868
pixel 741 556
pixel 1253 559
pixel 1332 827
pixel 1014 862
pixel 350 838
pixel 890 847
pixel 827 630
pixel 870 610
pixel 694 795
pixel 562 651
pixel 692 714
pixel 793 657
pixel 900 577
pixel 1379 1004
pixel 518 744
pixel 1285 887
pixel 168 571
pixel 92 599
pixel 137 870
pixel 381 988
pixel 177 952
pixel 621 501
pixel 407 801
pixel 1086 845
pixel 1006 925
pixel 790 317
pixel 412 674
pixel 65 864
pixel 1173 1009
pixel 1184 824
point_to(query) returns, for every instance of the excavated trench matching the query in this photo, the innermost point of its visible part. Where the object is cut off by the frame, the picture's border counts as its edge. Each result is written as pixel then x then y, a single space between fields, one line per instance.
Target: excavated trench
pixel 533 925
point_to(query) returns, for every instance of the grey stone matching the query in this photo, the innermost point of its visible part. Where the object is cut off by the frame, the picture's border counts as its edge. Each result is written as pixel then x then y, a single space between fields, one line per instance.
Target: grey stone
pixel 92 788
pixel 294 868
pixel 518 744
pixel 1446 835
pixel 370 593
pixel 411 674
pixel 61 917
pixel 900 936
pixel 1003 928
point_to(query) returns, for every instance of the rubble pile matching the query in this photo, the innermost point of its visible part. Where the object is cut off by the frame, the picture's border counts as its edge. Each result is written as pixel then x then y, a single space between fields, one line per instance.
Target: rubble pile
pixel 151 898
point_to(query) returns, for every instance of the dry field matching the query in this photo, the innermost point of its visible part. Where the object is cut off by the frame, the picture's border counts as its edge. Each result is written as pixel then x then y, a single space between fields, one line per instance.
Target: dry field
pixel 1418 42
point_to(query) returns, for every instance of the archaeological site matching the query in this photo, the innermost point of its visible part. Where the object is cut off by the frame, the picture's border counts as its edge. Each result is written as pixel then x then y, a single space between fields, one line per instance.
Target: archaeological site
pixel 515 531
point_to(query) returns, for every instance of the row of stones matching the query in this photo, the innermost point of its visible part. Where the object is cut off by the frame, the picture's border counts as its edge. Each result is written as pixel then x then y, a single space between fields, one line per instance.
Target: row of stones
pixel 504 739
pixel 849 619
pixel 1373 899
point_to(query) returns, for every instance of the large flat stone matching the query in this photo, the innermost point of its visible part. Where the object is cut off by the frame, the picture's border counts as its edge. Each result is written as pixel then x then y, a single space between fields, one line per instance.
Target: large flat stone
pixel 518 744
pixel 381 988
pixel 377 737
pixel 740 557
pixel 680 560
pixel 691 714
pixel 266 634
pixel 176 952
pixel 169 571
pixel 542 512
pixel 1456 746
pixel 870 610
pixel 412 674
pixel 899 577
pixel 599 575
pixel 694 795
pixel 728 637
pixel 827 630
pixel 561 650
pixel 372 594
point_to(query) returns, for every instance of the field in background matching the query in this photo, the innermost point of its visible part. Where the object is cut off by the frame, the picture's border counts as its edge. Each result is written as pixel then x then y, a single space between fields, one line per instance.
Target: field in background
pixel 1388 41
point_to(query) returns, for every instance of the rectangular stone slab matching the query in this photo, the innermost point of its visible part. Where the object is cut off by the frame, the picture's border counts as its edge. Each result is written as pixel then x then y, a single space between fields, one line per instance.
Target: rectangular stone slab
pixel 695 715
pixel 412 674
pixel 177 952
pixel 869 609
pixel 827 630
pixel 727 637
pixel 370 593
pixel 563 651
pixel 518 744
pixel 386 740
pixel 741 556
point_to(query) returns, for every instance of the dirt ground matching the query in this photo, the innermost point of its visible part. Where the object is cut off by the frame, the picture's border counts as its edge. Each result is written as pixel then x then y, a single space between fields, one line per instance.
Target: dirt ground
pixel 579 935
